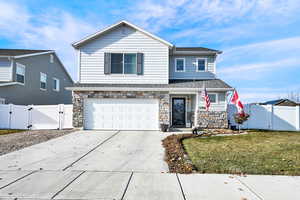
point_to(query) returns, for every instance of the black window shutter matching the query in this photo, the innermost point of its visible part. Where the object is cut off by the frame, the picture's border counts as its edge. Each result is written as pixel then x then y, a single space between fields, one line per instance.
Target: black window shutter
pixel 140 63
pixel 107 64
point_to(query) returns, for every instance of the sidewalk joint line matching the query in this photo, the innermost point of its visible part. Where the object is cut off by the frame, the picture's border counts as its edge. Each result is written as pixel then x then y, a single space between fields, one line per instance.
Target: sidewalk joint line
pixel 57 193
pixel 127 186
pixel 250 189
pixel 180 187
pixel 18 179
pixel 93 149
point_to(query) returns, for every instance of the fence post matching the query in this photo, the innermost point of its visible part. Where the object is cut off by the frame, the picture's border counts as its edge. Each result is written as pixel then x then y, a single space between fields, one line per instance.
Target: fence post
pixel 271 116
pixel 9 115
pixel 297 118
pixel 248 111
pixel 30 125
pixel 61 115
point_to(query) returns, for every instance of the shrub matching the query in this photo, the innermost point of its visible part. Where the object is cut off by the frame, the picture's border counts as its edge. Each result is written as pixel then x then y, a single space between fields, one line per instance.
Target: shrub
pixel 241 118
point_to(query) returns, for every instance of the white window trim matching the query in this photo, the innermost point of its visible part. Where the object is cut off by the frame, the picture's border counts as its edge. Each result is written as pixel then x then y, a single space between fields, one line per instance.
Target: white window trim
pixel 22 66
pixel 197 69
pixel 176 64
pixel 57 90
pixel 217 98
pixel 41 73
pixel 123 64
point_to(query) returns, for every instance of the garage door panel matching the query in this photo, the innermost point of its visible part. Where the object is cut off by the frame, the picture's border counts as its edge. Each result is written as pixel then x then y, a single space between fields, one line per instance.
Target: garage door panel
pixel 121 114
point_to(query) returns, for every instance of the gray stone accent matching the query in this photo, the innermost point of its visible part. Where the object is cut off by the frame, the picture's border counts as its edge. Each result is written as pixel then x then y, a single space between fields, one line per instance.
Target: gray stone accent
pixel 212 119
pixel 79 96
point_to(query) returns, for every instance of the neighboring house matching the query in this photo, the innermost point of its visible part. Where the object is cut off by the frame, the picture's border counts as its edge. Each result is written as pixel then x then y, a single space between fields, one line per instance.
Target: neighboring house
pixel 280 102
pixel 33 77
pixel 130 79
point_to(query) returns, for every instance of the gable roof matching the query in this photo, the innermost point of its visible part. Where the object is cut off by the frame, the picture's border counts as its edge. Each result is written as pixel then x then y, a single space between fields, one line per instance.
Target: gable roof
pixel 22 53
pixel 123 22
pixel 279 101
pixel 18 52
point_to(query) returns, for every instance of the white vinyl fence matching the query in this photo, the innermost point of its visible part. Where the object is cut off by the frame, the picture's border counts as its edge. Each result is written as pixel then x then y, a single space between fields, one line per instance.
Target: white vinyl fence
pixel 268 117
pixel 36 117
pixel 2 101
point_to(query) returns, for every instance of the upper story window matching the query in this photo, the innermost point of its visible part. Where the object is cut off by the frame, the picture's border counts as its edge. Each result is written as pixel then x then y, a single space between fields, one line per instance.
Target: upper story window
pixel 43 81
pixel 51 58
pixel 201 64
pixel 179 65
pixel 123 63
pixel 20 73
pixel 212 98
pixel 55 84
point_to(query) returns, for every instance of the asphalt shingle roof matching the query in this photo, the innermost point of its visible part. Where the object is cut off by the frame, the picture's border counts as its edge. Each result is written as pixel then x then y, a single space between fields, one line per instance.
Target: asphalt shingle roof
pixel 213 83
pixel 195 49
pixel 18 52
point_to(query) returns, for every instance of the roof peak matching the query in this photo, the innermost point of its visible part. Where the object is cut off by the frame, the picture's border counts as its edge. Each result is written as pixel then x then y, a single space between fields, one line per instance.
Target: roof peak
pixel 107 29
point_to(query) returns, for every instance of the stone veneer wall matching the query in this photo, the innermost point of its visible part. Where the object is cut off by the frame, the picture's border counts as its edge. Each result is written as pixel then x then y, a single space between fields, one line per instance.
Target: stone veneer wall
pixel 79 96
pixel 212 119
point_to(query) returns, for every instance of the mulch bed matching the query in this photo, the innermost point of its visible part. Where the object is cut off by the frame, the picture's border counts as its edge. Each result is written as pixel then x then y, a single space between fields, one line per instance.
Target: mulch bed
pixel 15 141
pixel 175 155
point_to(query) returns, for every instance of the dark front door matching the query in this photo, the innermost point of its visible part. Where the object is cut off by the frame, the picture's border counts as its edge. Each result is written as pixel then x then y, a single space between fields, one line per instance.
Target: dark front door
pixel 178 112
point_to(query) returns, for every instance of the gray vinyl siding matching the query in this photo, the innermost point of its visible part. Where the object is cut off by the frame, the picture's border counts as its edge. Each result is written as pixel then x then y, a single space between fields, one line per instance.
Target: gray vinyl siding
pixel 124 40
pixel 221 104
pixel 190 69
pixel 5 70
pixel 30 93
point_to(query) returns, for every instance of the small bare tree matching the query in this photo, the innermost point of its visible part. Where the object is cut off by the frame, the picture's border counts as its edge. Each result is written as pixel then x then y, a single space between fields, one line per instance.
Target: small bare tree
pixel 294 96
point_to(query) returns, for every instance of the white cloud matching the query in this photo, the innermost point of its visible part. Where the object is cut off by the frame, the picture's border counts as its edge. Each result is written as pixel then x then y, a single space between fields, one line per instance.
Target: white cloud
pixel 255 71
pixel 281 47
pixel 251 95
pixel 55 30
pixel 169 14
pixel 154 16
pixel 259 60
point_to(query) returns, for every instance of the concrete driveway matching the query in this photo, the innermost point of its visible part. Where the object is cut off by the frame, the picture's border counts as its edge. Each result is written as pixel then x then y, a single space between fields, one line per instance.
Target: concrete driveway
pixel 123 151
pixel 122 165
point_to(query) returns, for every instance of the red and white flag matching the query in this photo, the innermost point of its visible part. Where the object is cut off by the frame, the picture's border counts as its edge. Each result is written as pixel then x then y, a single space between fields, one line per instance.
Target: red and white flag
pixel 206 99
pixel 235 99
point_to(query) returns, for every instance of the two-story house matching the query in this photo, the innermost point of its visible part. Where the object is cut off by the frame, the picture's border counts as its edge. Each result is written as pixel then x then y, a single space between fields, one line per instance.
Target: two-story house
pixel 130 79
pixel 33 77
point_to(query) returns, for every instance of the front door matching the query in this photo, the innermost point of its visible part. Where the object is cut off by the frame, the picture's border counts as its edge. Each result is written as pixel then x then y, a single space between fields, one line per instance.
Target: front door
pixel 178 112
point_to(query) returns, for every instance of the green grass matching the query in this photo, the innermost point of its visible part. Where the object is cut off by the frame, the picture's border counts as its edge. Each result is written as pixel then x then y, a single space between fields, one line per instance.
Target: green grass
pixel 259 152
pixel 8 131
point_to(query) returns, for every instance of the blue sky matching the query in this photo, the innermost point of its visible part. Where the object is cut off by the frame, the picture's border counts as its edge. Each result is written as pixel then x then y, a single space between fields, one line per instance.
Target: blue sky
pixel 260 39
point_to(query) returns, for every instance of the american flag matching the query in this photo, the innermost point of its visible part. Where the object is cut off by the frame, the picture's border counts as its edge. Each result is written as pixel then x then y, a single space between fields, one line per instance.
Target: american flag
pixel 206 99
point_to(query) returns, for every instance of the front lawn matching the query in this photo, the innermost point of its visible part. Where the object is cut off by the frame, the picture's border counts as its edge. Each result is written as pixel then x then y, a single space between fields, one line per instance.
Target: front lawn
pixel 259 152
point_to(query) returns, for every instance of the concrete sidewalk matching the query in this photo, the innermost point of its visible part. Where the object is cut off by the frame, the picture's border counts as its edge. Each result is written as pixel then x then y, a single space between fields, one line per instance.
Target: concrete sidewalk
pixel 155 186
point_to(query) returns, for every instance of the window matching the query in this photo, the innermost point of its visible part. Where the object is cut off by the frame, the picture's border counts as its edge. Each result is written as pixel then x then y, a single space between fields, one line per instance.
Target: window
pixel 130 63
pixel 179 64
pixel 212 98
pixel 55 84
pixel 123 63
pixel 51 58
pixel 43 81
pixel 201 64
pixel 20 74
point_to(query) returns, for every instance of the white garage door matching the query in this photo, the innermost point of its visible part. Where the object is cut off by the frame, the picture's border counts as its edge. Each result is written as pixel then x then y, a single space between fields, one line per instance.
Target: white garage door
pixel 121 114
